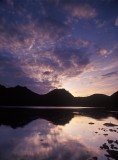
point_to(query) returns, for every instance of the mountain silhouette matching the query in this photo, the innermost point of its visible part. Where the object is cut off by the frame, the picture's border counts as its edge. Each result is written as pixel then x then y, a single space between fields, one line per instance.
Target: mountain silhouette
pixel 22 96
pixel 94 100
pixel 114 100
pixel 115 97
pixel 59 97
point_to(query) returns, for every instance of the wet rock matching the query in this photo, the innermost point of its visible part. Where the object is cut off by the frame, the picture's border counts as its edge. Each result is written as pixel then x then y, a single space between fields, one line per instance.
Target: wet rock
pixel 110 141
pixel 112 130
pixel 103 129
pixel 116 141
pixel 94 158
pixel 107 156
pixel 112 146
pixel 113 154
pixel 112 151
pixel 110 124
pixel 91 123
pixel 104 146
pixel 105 134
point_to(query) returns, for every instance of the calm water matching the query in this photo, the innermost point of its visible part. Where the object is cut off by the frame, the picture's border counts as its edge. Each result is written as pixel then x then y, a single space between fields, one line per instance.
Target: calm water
pixel 58 134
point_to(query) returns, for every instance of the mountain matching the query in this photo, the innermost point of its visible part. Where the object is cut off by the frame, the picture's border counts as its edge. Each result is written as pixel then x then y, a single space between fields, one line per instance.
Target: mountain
pixel 17 96
pixel 114 97
pixel 59 97
pixel 22 96
pixel 94 100
pixel 114 100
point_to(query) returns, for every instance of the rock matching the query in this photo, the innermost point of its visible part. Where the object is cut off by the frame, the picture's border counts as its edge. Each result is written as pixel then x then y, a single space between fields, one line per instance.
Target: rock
pixel 110 124
pixel 110 141
pixel 91 123
pixel 104 146
pixel 95 158
pixel 113 154
pixel 112 130
pixel 105 134
pixel 112 146
pixel 116 141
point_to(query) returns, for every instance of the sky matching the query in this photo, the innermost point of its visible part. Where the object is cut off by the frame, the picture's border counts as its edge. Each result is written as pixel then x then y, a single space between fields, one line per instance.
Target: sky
pixel 71 44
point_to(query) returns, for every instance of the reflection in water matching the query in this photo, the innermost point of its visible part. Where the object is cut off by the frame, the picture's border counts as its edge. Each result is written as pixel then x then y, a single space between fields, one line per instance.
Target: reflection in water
pixel 55 134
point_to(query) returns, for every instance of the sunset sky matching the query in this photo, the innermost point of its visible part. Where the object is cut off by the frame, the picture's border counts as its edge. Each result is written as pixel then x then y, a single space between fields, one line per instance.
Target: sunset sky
pixel 71 44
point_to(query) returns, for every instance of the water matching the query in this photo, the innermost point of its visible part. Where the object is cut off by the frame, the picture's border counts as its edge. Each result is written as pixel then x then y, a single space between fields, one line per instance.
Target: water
pixel 58 134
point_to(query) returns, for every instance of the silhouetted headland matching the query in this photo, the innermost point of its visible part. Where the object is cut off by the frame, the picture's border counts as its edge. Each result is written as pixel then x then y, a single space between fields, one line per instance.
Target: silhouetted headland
pixel 22 96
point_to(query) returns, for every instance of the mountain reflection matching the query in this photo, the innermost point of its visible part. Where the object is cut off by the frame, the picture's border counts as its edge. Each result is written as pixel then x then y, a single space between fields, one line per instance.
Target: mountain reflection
pixel 40 140
pixel 56 134
pixel 19 117
pixel 16 117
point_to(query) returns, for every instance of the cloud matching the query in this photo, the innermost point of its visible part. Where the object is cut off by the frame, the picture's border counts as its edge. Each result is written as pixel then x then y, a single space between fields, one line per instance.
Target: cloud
pixel 116 22
pixel 42 69
pixel 56 144
pixel 44 56
pixel 104 52
pixel 42 44
pixel 100 23
pixel 10 69
pixel 110 74
pixel 56 65
pixel 14 72
pixel 72 56
pixel 81 10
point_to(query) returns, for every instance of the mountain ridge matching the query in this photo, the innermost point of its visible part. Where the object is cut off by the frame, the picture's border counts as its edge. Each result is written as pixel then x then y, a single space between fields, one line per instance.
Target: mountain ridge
pixel 18 95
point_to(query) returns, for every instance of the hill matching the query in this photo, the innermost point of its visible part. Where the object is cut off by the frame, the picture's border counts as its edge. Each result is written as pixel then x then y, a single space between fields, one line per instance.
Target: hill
pixel 114 101
pixel 94 100
pixel 59 97
pixel 22 96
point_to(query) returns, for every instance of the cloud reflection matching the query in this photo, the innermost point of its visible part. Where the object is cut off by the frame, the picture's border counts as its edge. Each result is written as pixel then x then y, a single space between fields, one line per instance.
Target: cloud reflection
pixel 50 143
pixel 41 139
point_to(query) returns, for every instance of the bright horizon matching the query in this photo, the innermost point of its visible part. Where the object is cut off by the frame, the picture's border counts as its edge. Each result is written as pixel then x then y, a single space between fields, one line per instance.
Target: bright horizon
pixel 75 95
